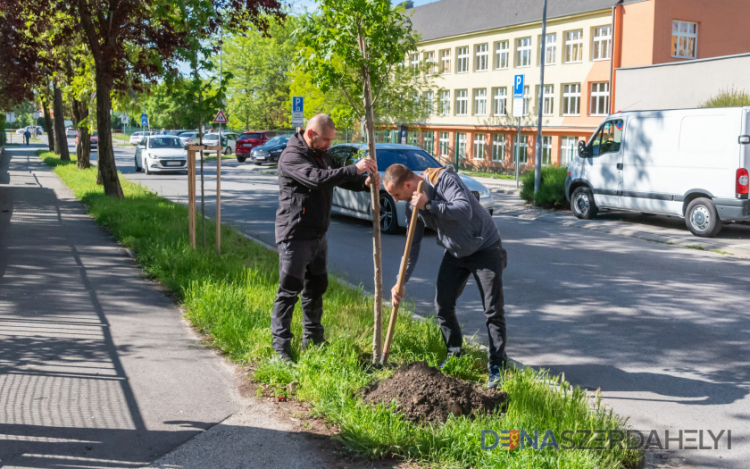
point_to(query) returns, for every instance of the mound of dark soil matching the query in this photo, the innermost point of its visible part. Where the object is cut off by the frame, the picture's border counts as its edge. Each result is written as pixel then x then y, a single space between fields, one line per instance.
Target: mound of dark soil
pixel 424 394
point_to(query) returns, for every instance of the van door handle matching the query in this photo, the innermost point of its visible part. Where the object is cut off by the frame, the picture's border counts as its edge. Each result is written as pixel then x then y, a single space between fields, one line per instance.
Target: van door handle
pixel 619 165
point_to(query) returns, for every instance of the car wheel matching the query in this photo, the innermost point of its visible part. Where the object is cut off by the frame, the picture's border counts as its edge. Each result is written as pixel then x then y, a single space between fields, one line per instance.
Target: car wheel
pixel 388 214
pixel 145 167
pixel 702 219
pixel 582 203
pixel 137 168
pixel 228 150
pixel 241 159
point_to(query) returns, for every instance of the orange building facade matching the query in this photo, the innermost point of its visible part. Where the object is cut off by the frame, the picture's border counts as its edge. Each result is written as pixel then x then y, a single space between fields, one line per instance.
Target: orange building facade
pixel 474 68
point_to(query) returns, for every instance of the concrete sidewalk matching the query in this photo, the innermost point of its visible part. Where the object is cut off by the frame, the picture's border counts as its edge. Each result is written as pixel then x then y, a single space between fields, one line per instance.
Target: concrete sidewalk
pixel 97 366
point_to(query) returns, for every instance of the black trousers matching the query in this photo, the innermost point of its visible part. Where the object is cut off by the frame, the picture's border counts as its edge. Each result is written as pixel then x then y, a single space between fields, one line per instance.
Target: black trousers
pixel 487 268
pixel 302 269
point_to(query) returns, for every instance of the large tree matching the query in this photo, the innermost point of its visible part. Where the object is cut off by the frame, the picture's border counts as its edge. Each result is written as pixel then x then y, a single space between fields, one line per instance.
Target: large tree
pixel 356 46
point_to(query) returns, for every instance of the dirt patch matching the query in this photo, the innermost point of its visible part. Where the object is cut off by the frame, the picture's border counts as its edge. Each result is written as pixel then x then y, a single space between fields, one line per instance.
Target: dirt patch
pixel 424 394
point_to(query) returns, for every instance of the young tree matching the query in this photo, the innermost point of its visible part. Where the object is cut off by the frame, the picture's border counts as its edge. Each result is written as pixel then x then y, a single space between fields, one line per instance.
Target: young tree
pixel 355 45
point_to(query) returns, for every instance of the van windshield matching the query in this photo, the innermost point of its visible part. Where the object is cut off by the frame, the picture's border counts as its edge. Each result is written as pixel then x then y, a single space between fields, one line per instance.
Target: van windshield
pixel 608 139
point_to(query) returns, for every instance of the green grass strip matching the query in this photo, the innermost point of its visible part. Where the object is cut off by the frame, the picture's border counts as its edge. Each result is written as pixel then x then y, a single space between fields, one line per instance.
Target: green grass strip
pixel 229 298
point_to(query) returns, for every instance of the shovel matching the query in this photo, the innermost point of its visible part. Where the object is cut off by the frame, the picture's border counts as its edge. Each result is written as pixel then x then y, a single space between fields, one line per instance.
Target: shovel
pixel 401 277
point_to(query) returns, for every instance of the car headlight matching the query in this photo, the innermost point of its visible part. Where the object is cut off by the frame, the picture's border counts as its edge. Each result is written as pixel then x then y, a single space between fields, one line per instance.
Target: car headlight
pixel 485 194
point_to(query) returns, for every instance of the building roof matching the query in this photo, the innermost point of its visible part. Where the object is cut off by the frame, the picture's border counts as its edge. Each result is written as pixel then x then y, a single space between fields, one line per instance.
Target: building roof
pixel 446 18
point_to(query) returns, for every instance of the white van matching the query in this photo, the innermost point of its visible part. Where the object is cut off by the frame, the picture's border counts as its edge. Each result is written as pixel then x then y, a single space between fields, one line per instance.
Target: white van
pixel 692 163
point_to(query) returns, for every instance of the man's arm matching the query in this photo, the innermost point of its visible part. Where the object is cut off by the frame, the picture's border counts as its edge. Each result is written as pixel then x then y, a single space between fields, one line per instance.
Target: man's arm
pixel 456 205
pixel 311 177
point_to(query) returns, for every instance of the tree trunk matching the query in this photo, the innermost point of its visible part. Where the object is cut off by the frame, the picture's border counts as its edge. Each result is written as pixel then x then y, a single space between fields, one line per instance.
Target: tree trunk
pixel 61 141
pixel 48 127
pixel 83 148
pixel 105 154
pixel 377 337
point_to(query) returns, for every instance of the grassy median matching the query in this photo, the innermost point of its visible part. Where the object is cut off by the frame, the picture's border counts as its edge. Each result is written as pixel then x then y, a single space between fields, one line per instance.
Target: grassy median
pixel 229 298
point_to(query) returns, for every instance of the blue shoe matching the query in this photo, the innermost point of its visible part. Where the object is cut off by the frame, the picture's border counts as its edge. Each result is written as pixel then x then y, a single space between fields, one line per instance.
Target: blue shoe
pixel 495 376
pixel 450 355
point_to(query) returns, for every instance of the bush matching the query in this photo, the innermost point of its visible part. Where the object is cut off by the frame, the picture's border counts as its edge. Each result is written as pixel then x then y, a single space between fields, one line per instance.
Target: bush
pixel 728 98
pixel 551 190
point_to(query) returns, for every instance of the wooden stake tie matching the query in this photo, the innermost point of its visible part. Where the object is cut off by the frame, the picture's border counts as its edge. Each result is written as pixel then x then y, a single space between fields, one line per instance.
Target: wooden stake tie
pixel 401 278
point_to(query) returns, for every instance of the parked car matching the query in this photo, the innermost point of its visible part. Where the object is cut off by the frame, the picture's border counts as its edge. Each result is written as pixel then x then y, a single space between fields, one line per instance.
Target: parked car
pixel 690 163
pixel 70 132
pixel 94 139
pixel 178 132
pixel 136 138
pixel 228 141
pixel 250 140
pixel 270 151
pixel 189 138
pixel 392 213
pixel 159 153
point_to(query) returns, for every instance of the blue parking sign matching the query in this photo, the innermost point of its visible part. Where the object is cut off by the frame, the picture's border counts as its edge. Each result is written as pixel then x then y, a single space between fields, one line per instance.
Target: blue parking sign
pixel 518 86
pixel 298 104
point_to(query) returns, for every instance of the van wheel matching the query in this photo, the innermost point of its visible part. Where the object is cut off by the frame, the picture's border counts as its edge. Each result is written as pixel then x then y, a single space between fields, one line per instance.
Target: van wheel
pixel 582 203
pixel 702 219
pixel 388 215
pixel 241 159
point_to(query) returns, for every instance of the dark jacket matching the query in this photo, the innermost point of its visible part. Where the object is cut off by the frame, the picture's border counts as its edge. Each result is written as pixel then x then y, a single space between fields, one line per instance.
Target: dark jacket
pixel 306 183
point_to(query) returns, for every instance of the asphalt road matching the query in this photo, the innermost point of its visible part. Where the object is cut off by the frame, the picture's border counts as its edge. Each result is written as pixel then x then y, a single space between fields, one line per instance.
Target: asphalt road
pixel 662 330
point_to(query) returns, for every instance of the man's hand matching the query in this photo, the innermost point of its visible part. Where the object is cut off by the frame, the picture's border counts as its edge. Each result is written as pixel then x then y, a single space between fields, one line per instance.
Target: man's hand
pixel 396 296
pixel 418 199
pixel 366 165
pixel 374 178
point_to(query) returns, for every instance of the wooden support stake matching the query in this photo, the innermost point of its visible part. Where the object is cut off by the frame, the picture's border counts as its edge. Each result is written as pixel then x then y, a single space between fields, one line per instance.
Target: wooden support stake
pixel 401 279
pixel 218 200
pixel 191 196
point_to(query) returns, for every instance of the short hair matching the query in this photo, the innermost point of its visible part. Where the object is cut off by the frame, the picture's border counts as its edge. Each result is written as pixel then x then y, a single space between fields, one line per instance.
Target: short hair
pixel 397 174
pixel 320 122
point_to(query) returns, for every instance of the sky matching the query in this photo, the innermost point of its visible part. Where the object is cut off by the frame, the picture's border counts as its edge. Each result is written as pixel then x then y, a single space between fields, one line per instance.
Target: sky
pixel 301 5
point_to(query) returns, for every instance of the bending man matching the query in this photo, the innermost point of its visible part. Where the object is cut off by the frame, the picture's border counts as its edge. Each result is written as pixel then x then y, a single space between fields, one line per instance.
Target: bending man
pixel 472 247
pixel 307 176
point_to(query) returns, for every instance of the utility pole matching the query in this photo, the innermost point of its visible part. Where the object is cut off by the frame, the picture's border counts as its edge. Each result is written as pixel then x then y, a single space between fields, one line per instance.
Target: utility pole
pixel 540 101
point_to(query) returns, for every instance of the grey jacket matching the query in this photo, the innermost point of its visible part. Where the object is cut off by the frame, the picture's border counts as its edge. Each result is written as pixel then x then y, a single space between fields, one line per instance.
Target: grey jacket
pixel 463 226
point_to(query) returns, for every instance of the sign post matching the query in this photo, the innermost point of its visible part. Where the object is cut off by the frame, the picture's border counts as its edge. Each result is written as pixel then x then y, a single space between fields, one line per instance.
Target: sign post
pixel 219 119
pixel 518 82
pixel 298 107
pixel 144 122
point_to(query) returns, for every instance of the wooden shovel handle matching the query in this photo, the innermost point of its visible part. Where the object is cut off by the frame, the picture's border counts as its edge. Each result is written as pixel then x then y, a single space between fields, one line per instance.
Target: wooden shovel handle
pixel 401 278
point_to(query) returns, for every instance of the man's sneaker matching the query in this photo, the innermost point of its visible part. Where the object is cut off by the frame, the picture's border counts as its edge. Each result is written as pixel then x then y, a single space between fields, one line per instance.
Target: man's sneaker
pixel 285 357
pixel 450 355
pixel 496 375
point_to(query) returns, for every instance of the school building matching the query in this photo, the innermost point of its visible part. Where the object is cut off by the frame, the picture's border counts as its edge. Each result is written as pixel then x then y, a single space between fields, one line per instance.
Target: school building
pixel 474 48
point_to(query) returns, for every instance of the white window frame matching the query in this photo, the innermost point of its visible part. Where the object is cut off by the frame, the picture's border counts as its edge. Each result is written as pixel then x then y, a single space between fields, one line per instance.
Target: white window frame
pixel 686 35
pixel 445 62
pixel 523 52
pixel 571 99
pixel 429 60
pixel 548 100
pixel 599 98
pixel 568 149
pixel 498 148
pixel 443 144
pixel 526 101
pixel 502 55
pixel 462 59
pixel 462 102
pixel 414 62
pixel 481 57
pixel 550 51
pixel 524 145
pixel 480 102
pixel 429 102
pixel 479 147
pixel 445 103
pixel 573 47
pixel 500 101
pixel 601 43
pixel 546 150
pixel 461 144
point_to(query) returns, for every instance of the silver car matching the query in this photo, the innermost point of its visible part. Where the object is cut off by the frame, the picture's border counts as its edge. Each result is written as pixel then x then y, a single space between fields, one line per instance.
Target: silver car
pixel 159 153
pixel 392 213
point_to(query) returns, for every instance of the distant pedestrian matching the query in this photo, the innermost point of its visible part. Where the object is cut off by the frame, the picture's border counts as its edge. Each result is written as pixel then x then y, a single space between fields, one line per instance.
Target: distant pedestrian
pixel 164 131
pixel 27 135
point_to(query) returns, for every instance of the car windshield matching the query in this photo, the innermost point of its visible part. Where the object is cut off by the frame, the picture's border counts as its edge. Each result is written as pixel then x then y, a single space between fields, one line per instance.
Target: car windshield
pixel 137 134
pixel 164 142
pixel 188 135
pixel 253 136
pixel 278 141
pixel 211 137
pixel 416 160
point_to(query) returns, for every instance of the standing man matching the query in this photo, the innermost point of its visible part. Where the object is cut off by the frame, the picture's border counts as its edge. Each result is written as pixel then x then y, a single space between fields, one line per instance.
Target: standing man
pixel 307 176
pixel 163 131
pixel 26 135
pixel 472 247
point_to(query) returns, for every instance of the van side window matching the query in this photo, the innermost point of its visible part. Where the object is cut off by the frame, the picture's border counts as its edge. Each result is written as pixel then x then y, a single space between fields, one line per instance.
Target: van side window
pixel 608 139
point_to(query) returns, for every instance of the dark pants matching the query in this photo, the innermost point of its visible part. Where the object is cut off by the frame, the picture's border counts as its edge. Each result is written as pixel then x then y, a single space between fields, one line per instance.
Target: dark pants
pixel 302 269
pixel 26 139
pixel 487 267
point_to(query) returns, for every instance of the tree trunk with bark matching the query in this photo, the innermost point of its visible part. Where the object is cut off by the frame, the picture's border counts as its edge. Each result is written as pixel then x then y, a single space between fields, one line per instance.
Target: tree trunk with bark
pixel 61 141
pixel 48 127
pixel 107 168
pixel 377 339
pixel 83 147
